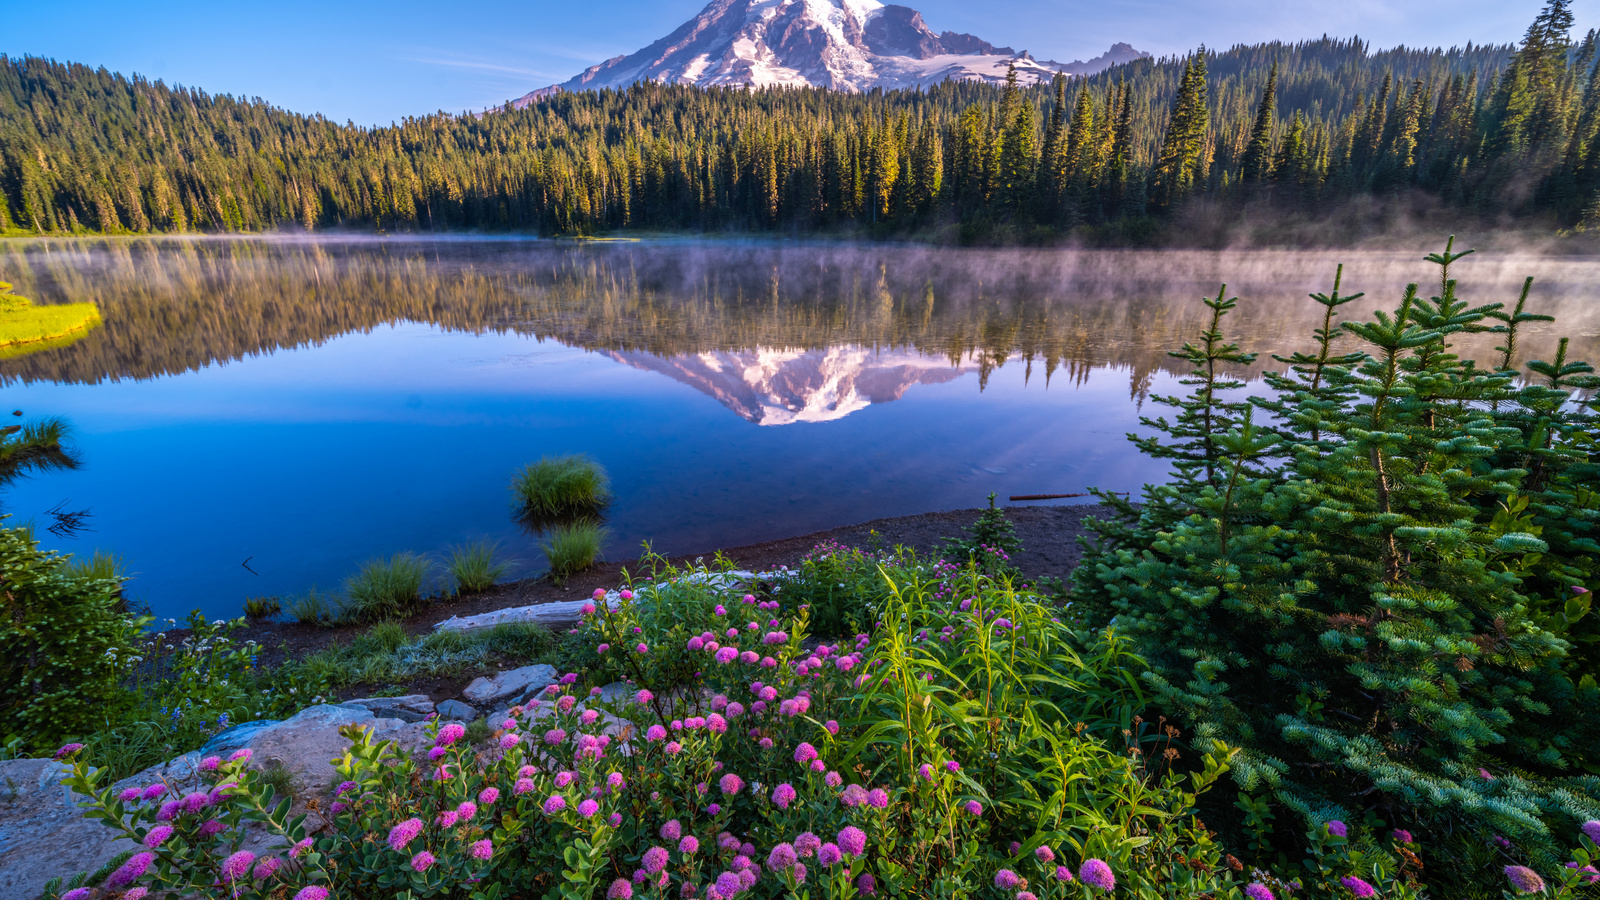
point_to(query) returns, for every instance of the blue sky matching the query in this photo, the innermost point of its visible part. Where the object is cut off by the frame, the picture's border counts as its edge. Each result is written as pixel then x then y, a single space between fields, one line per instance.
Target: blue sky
pixel 375 62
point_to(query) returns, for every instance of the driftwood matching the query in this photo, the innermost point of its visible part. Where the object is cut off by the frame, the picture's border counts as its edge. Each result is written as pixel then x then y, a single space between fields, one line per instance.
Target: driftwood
pixel 1015 497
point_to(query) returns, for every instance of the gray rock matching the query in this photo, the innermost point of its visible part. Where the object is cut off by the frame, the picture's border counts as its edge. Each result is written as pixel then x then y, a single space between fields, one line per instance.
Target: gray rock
pixel 416 703
pixel 456 711
pixel 483 691
pixel 391 712
pixel 43 834
pixel 235 738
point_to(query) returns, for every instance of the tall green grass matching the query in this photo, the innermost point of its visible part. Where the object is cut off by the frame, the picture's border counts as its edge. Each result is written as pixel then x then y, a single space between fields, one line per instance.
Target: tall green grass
pixel 558 487
pixel 473 567
pixel 386 589
pixel 315 608
pixel 386 654
pixel 572 548
pixel 99 565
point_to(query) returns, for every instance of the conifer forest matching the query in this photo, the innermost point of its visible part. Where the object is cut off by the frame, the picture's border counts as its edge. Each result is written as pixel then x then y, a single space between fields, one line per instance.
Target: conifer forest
pixel 1505 131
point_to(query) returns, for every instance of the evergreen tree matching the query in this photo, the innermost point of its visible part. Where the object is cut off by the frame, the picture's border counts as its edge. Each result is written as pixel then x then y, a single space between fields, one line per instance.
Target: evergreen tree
pixel 1174 173
pixel 1360 596
pixel 1259 151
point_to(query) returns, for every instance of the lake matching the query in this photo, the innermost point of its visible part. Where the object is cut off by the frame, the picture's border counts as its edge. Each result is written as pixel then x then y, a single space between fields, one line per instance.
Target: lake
pixel 259 416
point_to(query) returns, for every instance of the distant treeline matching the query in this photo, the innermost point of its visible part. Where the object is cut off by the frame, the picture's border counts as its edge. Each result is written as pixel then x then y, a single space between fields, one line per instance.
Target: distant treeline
pixel 1496 130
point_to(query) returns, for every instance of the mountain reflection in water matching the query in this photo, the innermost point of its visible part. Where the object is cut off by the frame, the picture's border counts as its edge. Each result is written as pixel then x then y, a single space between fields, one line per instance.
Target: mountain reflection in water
pixel 422 372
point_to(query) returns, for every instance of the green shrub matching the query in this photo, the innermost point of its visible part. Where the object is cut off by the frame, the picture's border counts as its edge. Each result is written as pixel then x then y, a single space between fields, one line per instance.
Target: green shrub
pixel 841 586
pixel 1371 594
pixel 570 549
pixel 386 589
pixel 558 487
pixel 65 640
pixel 989 542
pixel 187 687
pixel 474 569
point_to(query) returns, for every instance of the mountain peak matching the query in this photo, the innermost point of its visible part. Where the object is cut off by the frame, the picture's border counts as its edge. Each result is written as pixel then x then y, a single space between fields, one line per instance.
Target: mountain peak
pixel 847 45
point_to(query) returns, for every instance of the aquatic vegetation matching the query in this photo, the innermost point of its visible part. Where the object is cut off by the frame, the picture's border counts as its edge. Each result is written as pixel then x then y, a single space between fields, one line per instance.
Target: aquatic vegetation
pixel 559 487
pixel 474 568
pixel 262 608
pixel 37 446
pixel 570 549
pixel 101 565
pixel 386 589
pixel 24 324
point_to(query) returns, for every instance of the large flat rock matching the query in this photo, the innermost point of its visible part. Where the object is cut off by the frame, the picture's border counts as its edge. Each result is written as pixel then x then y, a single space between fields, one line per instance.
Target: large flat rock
pixel 483 691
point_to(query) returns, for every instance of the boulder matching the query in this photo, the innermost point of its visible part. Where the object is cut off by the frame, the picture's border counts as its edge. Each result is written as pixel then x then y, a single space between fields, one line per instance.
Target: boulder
pixel 456 711
pixel 564 614
pixel 409 708
pixel 523 681
pixel 43 834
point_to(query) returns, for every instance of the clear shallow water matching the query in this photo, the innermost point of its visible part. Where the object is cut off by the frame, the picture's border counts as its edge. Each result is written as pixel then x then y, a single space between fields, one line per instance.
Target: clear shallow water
pixel 306 405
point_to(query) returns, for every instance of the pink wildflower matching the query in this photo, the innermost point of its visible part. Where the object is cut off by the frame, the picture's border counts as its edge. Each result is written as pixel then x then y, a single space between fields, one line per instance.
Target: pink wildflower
pixel 404 833
pixel 1096 874
pixel 852 840
pixel 973 807
pixel 1255 890
pixel 1005 879
pixel 264 869
pixel 312 892
pixel 237 865
pixel 655 859
pixel 829 855
pixel 866 884
pixel 157 836
pixel 689 845
pixel 488 796
pixel 422 861
pixel 731 784
pixel 804 753
pixel 554 804
pixel 450 733
pixel 1044 854
pixel 1358 887
pixel 783 795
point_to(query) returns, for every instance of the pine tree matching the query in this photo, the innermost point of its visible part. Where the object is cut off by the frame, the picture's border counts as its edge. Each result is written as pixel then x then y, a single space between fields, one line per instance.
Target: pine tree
pixel 1359 599
pixel 1259 151
pixel 1174 173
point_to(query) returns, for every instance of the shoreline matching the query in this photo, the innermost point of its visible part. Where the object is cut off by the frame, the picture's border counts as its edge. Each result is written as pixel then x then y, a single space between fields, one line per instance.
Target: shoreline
pixel 1048 533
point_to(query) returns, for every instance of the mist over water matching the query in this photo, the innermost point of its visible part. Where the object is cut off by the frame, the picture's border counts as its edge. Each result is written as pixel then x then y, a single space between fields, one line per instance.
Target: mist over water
pixel 309 404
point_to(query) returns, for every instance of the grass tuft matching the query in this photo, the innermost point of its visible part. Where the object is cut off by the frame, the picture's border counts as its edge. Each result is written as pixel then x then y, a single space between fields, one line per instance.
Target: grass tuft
pixel 572 548
pixel 313 609
pixel 558 487
pixel 386 589
pixel 262 608
pixel 100 565
pixel 474 569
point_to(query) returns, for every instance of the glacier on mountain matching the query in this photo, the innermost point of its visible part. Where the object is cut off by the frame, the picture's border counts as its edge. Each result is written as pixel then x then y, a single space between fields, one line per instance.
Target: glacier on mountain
pixel 847 45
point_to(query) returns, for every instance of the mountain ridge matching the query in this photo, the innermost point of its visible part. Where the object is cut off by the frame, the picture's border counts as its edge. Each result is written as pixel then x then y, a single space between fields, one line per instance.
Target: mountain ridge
pixel 847 45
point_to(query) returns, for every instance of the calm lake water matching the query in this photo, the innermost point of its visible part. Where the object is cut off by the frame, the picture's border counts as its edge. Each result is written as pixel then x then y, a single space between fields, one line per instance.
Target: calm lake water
pixel 305 405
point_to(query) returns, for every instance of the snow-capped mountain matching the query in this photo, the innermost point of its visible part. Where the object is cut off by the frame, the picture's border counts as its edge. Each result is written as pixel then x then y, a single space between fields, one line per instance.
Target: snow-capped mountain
pixel 782 387
pixel 848 45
